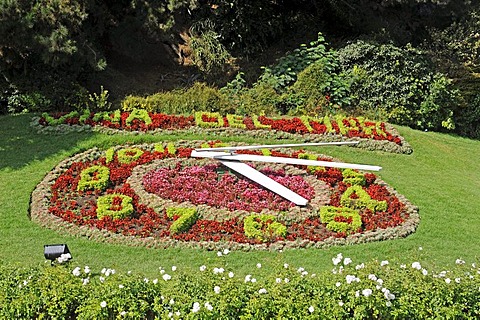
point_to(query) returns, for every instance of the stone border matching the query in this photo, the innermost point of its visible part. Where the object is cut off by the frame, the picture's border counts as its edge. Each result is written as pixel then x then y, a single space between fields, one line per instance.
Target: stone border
pixel 39 203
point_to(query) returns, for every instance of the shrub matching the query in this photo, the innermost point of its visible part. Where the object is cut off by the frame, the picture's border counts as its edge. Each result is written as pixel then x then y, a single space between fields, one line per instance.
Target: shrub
pixel 263 227
pixel 338 219
pixel 399 85
pixel 128 155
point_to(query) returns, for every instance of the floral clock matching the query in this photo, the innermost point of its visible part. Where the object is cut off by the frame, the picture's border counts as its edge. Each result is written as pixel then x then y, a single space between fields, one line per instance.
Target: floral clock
pixel 156 195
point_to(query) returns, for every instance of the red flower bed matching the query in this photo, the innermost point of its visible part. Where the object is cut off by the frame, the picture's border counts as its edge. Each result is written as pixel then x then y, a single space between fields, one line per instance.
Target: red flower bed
pixel 205 185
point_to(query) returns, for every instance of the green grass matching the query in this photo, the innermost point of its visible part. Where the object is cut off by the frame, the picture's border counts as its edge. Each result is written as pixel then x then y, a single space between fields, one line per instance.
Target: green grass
pixel 441 177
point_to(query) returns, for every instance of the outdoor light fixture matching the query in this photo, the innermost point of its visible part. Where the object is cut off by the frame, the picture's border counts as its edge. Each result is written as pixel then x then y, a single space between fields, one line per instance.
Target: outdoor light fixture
pixel 58 252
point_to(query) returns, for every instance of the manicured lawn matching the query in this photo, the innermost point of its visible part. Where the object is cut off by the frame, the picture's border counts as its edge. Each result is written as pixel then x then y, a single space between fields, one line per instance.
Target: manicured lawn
pixel 441 177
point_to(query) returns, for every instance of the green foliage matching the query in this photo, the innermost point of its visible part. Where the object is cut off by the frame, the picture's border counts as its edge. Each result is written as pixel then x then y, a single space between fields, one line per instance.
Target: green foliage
pixel 353 177
pixel 338 219
pixel 100 101
pixel 208 53
pixel 94 178
pixel 217 123
pixel 129 155
pixel 138 114
pixel 369 290
pixel 263 227
pixel 186 218
pixel 399 85
pixel 107 206
pixel 199 97
pixel 361 200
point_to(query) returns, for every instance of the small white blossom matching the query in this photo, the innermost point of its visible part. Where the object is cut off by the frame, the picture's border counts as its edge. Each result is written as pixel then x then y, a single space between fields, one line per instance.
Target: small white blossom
pixel 340 303
pixel 174 268
pixel 403 266
pixel 448 280
pixel 457 280
pixel 311 309
pixel 177 313
pixel 86 269
pixel 372 277
pixel 103 304
pixel 85 281
pixel 286 280
pixel 166 277
pixel 171 301
pixel 262 291
pixel 278 280
pixel 196 307
pixel 208 306
pixel 155 281
pixel 219 254
pixel 231 274
pixel 102 279
pixel 259 265
pixel 218 270
pixel 347 261
pixel 416 265
pixel 285 265
pixel 216 289
pixel 76 272
pixel 253 280
pixel 380 281
pixel 350 279
pixel 123 313
pixel 304 273
pixel 248 277
pixel 384 263
pixel 145 280
pixel 359 266
pixel 420 248
pixel 424 272
pixel 226 251
pixel 388 304
pixel 388 295
pixel 121 286
pixel 338 284
pixel 203 268
pixel 367 292
pixel 357 293
pixel 337 259
pixel 459 261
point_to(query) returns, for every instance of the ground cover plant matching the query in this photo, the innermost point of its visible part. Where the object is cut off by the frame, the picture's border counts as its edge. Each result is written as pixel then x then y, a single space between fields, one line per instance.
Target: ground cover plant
pixel 431 178
pixel 161 194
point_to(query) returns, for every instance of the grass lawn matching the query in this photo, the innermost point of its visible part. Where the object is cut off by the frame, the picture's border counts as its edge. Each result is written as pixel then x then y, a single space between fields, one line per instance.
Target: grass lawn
pixel 441 177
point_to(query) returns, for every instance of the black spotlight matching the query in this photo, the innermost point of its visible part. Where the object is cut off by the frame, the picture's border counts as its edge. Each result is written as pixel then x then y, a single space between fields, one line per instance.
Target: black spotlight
pixel 57 251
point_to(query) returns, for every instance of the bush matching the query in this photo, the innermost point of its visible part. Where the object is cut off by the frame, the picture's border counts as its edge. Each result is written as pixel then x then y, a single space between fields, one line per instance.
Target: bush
pixel 386 290
pixel 398 85
pixel 199 97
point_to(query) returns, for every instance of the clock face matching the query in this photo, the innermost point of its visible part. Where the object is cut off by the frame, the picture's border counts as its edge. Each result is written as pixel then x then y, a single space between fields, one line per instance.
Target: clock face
pixel 158 195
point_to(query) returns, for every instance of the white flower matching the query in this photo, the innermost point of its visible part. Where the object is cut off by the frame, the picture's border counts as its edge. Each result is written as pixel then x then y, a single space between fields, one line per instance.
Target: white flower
pixel 278 280
pixel 170 314
pixel 218 270
pixel 300 270
pixel 359 266
pixel 203 268
pixel 420 248
pixel 357 293
pixel 145 280
pixel 103 304
pixel 388 304
pixel 459 261
pixel 347 261
pixel 304 273
pixel 337 259
pixel 102 279
pixel 285 265
pixel 162 271
pixel 388 295
pixel 177 313
pixel 123 313
pixel 85 281
pixel 231 274
pixel 171 301
pixel 367 292
pixel 384 263
pixel 424 272
pixel 86 269
pixel 121 286
pixel 403 266
pixel 416 265
pixel 253 280
pixel 380 281
pixel 216 289
pixel 447 280
pixel 155 281
pixel 208 306
pixel 338 284
pixel 174 268
pixel 76 272
pixel 262 291
pixel 351 279
pixel 129 272
pixel 166 277
pixel 226 251
pixel 248 277
pixel 457 280
pixel 219 254
pixel 259 265
pixel 372 277
pixel 196 307
pixel 286 280
pixel 311 309
pixel 340 303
